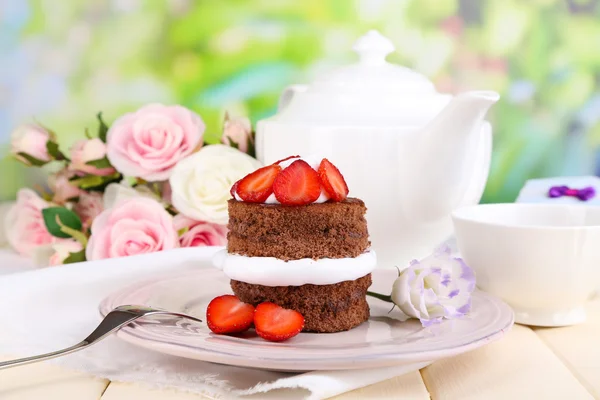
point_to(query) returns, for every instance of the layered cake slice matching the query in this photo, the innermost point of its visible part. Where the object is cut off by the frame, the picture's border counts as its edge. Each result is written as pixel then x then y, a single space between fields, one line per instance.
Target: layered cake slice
pixel 295 239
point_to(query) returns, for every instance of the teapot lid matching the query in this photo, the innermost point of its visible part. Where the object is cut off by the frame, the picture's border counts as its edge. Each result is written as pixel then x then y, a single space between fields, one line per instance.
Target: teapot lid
pixel 372 72
pixel 371 92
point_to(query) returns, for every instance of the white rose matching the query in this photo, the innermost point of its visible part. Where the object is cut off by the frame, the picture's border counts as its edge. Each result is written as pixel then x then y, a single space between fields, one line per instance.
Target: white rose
pixel 115 192
pixel 201 182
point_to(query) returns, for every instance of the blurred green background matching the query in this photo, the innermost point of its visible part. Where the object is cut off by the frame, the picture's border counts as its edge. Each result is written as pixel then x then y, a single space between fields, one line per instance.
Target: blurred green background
pixel 63 61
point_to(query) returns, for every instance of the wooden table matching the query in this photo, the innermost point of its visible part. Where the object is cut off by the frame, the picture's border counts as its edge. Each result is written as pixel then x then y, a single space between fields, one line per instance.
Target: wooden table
pixel 541 363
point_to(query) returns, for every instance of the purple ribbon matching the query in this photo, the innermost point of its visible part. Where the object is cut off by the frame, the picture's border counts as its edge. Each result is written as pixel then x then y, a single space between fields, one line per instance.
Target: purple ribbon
pixel 584 194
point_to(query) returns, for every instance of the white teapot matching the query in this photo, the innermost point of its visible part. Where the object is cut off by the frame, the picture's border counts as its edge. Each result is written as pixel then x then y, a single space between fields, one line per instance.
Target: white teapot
pixel 413 155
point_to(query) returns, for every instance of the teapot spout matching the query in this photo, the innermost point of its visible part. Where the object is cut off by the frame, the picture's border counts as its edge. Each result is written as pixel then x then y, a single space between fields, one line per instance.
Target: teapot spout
pixel 449 157
pixel 457 122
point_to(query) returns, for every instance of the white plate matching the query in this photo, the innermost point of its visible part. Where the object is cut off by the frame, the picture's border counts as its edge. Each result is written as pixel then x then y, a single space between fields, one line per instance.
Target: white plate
pixel 384 340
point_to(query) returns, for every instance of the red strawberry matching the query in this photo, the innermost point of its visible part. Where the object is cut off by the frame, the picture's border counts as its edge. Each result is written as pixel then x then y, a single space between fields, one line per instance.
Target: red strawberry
pixel 275 323
pixel 297 185
pixel 227 314
pixel 233 189
pixel 257 186
pixel 333 181
pixel 285 159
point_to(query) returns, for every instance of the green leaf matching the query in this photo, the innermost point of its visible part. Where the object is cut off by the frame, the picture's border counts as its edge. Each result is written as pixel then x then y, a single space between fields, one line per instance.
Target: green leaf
pixel 87 181
pixel 251 148
pixel 173 211
pixel 75 257
pixel 100 163
pixel 102 128
pixel 53 150
pixel 95 182
pixel 30 160
pixel 233 144
pixel 54 217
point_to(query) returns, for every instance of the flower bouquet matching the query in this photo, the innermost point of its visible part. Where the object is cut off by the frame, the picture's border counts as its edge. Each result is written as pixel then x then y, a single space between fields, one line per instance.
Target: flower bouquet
pixel 145 183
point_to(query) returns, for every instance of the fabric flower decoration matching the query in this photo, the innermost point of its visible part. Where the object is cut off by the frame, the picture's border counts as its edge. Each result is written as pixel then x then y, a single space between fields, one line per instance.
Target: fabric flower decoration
pixel 30 139
pixel 24 224
pixel 117 192
pixel 237 131
pixel 149 143
pixel 89 206
pixel 200 184
pixel 134 226
pixel 84 151
pixel 61 187
pixel 435 288
pixel 62 250
pixel 198 233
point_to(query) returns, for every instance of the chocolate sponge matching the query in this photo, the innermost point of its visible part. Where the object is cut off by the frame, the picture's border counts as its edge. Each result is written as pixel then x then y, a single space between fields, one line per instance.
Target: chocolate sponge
pixel 326 308
pixel 326 230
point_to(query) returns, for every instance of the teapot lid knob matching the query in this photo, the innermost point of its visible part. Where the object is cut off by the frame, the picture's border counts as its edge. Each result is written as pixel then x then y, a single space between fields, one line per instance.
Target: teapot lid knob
pixel 373 48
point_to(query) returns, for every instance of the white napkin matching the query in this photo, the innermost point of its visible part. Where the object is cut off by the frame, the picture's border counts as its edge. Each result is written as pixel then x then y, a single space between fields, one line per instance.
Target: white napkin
pixel 51 308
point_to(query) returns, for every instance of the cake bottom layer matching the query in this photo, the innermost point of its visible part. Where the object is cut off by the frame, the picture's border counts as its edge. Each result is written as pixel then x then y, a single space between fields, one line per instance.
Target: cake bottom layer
pixel 326 308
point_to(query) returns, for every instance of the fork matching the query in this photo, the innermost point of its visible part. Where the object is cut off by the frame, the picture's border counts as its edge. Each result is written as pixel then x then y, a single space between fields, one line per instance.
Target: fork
pixel 114 320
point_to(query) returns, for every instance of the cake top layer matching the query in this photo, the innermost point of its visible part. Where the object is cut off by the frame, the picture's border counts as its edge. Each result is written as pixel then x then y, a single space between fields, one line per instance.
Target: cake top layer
pixel 326 230
pixel 293 181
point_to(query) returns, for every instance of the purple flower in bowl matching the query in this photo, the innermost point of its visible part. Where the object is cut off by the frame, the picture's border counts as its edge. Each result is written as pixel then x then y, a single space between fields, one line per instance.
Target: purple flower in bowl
pixel 435 288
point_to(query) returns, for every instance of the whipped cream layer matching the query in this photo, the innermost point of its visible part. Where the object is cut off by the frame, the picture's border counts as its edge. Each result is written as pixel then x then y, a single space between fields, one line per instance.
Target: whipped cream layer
pixel 314 162
pixel 271 271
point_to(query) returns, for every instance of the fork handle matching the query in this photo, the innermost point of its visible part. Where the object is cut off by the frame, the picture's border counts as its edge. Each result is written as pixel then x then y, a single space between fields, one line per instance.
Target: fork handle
pixel 114 320
pixel 42 357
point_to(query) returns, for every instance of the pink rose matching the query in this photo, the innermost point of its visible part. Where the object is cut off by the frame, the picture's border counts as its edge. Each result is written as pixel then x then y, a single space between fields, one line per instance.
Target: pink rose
pixel 89 206
pixel 62 250
pixel 61 187
pixel 30 139
pixel 24 224
pixel 87 150
pixel 239 131
pixel 149 142
pixel 134 226
pixel 199 233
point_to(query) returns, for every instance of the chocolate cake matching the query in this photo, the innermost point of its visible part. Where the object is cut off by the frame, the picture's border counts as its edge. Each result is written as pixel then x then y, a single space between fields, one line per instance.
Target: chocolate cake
pixel 297 240
pixel 326 230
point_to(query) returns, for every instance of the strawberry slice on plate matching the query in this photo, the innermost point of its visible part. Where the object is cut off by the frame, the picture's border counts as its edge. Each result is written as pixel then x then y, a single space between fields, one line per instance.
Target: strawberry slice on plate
pixel 227 314
pixel 275 323
pixel 297 185
pixel 257 186
pixel 333 181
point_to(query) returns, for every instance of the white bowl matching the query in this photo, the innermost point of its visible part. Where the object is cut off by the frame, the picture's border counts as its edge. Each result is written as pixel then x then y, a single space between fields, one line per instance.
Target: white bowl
pixel 542 259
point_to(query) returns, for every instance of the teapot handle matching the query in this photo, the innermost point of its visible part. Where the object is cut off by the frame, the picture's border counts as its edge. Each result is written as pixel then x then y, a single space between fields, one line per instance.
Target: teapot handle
pixel 287 95
pixel 481 171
